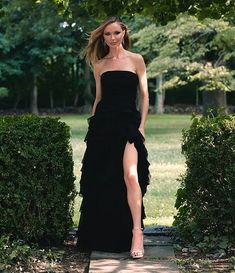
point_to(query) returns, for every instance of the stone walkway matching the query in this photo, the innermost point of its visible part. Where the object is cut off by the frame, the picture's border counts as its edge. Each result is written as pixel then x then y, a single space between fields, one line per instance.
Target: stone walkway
pixel 159 256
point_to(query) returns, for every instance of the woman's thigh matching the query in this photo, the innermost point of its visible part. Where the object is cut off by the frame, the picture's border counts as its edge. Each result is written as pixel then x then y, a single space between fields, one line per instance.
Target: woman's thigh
pixel 130 161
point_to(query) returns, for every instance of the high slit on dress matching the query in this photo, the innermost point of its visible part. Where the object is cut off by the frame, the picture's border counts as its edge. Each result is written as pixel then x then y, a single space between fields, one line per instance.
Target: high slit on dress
pixel 105 220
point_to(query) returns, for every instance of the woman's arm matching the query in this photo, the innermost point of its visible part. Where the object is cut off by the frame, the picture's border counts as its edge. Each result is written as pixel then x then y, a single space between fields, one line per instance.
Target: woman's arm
pixel 143 88
pixel 98 88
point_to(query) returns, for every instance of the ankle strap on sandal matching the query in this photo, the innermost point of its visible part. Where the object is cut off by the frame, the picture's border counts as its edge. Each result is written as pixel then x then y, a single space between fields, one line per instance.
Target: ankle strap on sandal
pixel 138 228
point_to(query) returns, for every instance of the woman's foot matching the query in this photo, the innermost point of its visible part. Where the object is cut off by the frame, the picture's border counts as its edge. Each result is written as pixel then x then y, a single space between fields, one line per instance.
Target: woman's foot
pixel 137 246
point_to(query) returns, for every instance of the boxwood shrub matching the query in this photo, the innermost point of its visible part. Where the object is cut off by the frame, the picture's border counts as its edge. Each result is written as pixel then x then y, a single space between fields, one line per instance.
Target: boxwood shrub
pixel 206 197
pixel 37 188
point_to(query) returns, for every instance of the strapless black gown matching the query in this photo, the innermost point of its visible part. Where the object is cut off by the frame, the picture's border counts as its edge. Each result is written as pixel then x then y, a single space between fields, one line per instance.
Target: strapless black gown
pixel 105 220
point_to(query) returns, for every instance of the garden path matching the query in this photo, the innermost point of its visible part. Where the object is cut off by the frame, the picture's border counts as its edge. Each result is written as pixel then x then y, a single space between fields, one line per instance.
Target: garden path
pixel 159 256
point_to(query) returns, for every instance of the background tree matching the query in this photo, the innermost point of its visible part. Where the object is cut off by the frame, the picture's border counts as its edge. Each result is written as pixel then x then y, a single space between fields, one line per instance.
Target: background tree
pixel 185 51
pixel 35 32
pixel 45 59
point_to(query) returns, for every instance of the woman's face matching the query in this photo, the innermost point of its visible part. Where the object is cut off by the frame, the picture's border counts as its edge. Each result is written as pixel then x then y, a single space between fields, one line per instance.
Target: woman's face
pixel 113 34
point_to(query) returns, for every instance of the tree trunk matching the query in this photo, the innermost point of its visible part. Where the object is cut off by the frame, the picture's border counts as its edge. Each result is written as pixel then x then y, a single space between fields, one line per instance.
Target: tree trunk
pixel 160 96
pixel 76 73
pixel 197 98
pixel 34 96
pixel 64 103
pixel 87 95
pixel 213 101
pixel 75 102
pixel 18 97
pixel 51 99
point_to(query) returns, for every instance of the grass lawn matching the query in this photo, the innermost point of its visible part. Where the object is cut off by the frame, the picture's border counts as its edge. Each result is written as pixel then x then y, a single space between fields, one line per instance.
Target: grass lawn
pixel 163 141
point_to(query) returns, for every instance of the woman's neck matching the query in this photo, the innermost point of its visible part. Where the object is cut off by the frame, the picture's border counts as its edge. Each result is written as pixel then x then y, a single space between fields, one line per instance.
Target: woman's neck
pixel 116 53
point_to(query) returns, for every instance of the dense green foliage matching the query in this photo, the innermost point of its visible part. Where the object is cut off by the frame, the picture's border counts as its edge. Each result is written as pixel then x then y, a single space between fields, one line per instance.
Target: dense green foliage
pixel 161 11
pixel 41 55
pixel 190 51
pixel 17 256
pixel 41 60
pixel 36 178
pixel 196 55
pixel 3 92
pixel 205 200
pixel 42 44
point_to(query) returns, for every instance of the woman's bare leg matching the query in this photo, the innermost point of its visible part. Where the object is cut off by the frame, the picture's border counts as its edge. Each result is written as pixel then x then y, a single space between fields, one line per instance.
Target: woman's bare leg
pixel 134 194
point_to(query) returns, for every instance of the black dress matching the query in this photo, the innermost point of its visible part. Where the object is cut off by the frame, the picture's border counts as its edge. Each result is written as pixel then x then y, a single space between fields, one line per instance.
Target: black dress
pixel 105 220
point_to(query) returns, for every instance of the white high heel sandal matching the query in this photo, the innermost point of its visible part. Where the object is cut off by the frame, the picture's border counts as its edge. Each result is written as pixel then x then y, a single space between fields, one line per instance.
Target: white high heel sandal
pixel 139 253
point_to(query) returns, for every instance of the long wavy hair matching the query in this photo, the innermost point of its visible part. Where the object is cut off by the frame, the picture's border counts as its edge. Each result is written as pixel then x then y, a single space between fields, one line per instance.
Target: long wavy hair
pixel 97 48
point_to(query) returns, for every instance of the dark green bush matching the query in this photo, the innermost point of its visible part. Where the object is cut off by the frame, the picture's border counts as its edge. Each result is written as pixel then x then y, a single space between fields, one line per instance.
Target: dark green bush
pixel 36 178
pixel 206 198
pixel 17 256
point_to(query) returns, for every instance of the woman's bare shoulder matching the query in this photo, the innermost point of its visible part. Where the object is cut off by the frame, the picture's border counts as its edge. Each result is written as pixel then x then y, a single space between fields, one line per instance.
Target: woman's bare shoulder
pixel 137 59
pixel 99 65
pixel 135 56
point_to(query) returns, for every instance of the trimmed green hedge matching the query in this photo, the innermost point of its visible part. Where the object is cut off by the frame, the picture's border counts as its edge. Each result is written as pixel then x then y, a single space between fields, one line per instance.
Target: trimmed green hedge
pixel 37 188
pixel 206 198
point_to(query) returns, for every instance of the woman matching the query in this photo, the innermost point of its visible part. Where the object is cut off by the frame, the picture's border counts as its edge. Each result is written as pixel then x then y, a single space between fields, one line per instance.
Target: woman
pixel 115 167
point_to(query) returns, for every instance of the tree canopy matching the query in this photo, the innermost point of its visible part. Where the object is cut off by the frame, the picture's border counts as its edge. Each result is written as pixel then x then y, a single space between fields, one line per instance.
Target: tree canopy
pixel 161 11
pixel 188 50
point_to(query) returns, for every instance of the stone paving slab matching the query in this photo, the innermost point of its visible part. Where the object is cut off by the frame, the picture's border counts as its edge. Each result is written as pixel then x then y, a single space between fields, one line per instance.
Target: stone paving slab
pixel 130 266
pixel 99 255
pixel 150 252
pixel 158 241
pixel 159 230
pixel 159 252
pixel 158 258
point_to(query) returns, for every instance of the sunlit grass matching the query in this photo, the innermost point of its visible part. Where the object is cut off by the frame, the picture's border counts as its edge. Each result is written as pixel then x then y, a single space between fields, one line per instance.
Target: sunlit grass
pixel 163 141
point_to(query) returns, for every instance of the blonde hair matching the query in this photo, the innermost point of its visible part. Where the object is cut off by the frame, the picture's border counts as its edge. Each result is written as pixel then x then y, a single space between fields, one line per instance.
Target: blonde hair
pixel 96 48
